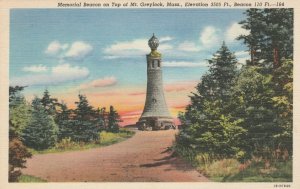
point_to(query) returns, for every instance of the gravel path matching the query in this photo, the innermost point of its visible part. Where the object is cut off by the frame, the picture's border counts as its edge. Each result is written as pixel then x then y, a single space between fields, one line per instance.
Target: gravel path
pixel 142 158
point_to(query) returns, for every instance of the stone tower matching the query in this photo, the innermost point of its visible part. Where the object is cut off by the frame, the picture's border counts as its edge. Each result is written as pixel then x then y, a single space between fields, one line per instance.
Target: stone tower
pixel 156 115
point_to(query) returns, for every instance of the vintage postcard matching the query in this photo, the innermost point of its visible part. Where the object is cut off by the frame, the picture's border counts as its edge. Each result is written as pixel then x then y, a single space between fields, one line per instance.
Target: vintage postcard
pixel 183 94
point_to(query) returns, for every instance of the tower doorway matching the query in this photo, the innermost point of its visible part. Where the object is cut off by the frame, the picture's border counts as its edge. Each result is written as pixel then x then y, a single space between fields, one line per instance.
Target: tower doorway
pixel 152 123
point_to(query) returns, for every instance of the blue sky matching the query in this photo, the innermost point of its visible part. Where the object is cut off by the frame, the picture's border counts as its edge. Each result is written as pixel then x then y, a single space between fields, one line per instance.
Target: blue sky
pixel 100 50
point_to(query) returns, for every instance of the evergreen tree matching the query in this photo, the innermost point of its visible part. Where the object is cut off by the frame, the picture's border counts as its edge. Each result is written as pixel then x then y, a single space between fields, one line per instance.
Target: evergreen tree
pixel 102 118
pixel 113 120
pixel 18 119
pixel 253 104
pixel 212 128
pixel 249 113
pixel 84 111
pixel 19 110
pixel 84 124
pixel 283 104
pixel 222 71
pixel 269 110
pixel 254 23
pixel 14 94
pixel 271 35
pixel 41 132
pixel 279 32
pixel 49 103
pixel 63 122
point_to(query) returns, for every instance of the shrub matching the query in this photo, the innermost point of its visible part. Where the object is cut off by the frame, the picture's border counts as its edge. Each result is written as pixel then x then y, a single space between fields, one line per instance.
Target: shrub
pixel 83 131
pixel 187 153
pixel 108 137
pixel 222 168
pixel 257 171
pixel 17 157
pixel 65 143
pixel 203 160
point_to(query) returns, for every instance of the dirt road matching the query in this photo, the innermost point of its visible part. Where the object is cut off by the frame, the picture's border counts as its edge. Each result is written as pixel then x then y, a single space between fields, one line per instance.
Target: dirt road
pixel 142 158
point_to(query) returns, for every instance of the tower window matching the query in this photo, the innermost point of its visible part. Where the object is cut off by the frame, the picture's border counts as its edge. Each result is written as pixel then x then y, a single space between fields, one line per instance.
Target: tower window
pixel 158 64
pixel 153 64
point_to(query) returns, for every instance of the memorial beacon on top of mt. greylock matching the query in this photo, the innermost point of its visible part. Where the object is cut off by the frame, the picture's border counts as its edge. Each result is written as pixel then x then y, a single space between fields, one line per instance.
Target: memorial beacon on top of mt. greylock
pixel 156 115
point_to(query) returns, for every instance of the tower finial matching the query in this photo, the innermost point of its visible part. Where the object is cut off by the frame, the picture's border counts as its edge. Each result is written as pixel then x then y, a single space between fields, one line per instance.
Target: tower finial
pixel 153 42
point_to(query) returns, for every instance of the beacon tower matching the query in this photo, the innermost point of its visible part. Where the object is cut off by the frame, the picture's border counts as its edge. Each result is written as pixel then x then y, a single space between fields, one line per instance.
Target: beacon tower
pixel 156 115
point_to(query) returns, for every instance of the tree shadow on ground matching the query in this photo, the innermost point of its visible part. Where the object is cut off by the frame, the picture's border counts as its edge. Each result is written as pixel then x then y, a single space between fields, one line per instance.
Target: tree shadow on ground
pixel 172 160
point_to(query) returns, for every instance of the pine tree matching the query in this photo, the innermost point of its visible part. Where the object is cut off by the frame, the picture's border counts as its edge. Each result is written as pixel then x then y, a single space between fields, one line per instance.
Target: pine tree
pixel 283 105
pixel 41 132
pixel 254 23
pixel 18 119
pixel 84 124
pixel 279 32
pixel 14 94
pixel 113 120
pixel 252 103
pixel 271 35
pixel 49 103
pixel 270 107
pixel 63 122
pixel 84 111
pixel 19 109
pixel 102 118
pixel 212 129
pixel 223 69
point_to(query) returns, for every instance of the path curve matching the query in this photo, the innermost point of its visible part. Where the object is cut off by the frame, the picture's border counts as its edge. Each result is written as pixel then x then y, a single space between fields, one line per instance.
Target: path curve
pixel 142 158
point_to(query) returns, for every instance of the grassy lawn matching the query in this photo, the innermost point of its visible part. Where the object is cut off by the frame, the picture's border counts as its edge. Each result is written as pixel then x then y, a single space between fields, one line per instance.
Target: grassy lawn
pixel 279 172
pixel 228 170
pixel 106 139
pixel 231 170
pixel 28 178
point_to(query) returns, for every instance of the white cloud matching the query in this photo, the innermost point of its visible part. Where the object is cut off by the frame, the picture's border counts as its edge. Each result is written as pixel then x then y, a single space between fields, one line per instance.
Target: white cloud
pixel 127 48
pixel 184 64
pixel 103 82
pixel 234 31
pixel 209 36
pixel 55 48
pixel 165 39
pixel 59 74
pixel 35 68
pixel 188 46
pixel 165 47
pixel 79 50
pixel 69 72
pixel 137 47
pixel 241 53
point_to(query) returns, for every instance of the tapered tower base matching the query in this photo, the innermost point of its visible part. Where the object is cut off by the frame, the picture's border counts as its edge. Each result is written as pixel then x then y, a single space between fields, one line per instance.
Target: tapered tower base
pixel 155 123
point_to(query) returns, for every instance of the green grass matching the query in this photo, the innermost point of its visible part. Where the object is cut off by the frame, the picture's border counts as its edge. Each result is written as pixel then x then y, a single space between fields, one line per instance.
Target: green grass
pixel 256 172
pixel 106 138
pixel 217 170
pixel 28 178
pixel 231 170
pixel 228 170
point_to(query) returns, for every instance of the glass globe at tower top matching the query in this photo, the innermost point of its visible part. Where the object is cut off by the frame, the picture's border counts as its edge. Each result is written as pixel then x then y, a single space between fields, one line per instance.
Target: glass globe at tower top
pixel 153 42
